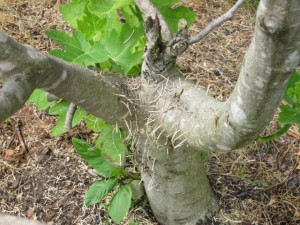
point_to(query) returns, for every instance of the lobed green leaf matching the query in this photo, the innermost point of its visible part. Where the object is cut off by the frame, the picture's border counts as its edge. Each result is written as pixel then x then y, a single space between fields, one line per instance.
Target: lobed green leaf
pixel 73 11
pixel 119 46
pixel 294 78
pixel 39 98
pixel 74 45
pixel 95 54
pixel 77 49
pixel 132 16
pixel 102 7
pixel 173 15
pixel 289 115
pixel 78 116
pixel 92 26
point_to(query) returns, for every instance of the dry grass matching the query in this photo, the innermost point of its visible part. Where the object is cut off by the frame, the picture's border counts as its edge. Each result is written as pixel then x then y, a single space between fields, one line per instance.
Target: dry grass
pixel 42 178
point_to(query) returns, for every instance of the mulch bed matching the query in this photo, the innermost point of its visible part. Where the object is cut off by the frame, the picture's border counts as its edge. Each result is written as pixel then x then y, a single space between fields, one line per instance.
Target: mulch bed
pixel 43 178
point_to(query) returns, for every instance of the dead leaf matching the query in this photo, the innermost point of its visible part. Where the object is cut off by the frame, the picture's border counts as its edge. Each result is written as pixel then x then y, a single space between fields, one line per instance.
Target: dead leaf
pixel 30 213
pixel 13 185
pixel 237 39
pixel 9 152
pixel 19 196
pixel 12 155
pixel 271 202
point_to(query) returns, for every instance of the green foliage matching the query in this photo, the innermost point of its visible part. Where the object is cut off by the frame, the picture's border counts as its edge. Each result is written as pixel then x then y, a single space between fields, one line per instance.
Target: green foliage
pixel 95 124
pixel 73 11
pixel 77 49
pixel 119 47
pixel 292 95
pixel 289 110
pixel 95 159
pixel 60 109
pixel 39 97
pixel 122 194
pixel 289 115
pixel 99 190
pixel 120 204
pixel 173 15
pixel 103 7
pixel 91 26
pixel 111 142
pixel 136 189
pixel 101 38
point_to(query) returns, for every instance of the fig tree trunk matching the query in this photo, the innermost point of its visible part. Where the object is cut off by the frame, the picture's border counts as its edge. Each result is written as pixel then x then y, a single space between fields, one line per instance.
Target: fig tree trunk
pixel 182 120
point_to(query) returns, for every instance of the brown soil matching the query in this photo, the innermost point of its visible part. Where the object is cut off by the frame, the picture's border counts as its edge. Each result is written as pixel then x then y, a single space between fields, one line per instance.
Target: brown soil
pixel 43 178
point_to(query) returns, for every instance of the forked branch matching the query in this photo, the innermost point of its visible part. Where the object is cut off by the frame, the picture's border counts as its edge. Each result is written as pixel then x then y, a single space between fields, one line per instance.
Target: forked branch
pixel 273 54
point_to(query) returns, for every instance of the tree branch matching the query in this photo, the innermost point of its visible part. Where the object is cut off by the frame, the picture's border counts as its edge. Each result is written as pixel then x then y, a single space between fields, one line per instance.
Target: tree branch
pixel 24 68
pixel 17 86
pixel 178 110
pixel 190 118
pixel 149 10
pixel 13 95
pixel 216 23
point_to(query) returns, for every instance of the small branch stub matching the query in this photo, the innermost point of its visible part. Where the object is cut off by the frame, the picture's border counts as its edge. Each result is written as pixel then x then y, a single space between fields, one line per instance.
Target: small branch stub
pixel 149 10
pixel 160 56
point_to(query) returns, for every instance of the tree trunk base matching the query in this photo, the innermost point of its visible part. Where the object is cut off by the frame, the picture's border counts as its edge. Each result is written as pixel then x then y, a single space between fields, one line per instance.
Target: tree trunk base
pixel 176 184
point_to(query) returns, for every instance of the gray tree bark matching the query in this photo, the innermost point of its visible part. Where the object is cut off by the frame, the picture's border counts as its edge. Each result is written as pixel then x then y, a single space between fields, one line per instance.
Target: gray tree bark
pixel 14 220
pixel 171 119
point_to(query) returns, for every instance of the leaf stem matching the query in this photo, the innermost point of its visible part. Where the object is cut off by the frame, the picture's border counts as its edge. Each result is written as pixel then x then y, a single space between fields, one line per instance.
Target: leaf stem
pixel 128 175
pixel 272 137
